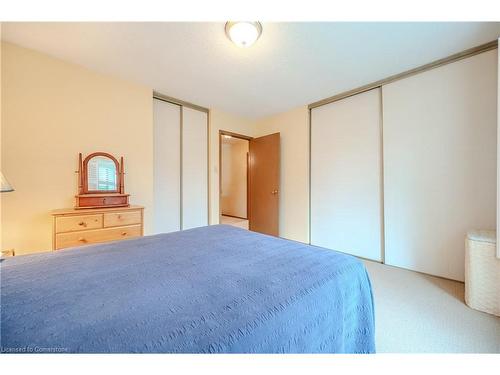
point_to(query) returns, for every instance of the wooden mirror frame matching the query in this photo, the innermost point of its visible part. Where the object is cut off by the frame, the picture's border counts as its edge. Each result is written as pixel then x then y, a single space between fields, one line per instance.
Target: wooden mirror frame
pixel 100 198
pixel 84 184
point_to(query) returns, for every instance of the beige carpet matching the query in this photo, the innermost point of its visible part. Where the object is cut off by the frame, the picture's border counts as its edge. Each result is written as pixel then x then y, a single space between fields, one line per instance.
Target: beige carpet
pixel 237 222
pixel 417 313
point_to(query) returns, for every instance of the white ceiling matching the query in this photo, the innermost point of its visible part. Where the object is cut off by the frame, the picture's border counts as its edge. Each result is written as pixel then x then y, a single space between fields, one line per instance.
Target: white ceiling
pixel 292 64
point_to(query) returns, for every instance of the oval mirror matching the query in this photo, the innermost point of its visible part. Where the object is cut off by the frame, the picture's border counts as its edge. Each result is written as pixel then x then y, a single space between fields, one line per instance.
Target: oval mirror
pixel 102 174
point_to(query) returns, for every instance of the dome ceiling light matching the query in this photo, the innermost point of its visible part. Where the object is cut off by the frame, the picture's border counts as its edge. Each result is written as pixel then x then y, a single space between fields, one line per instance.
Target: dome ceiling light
pixel 243 33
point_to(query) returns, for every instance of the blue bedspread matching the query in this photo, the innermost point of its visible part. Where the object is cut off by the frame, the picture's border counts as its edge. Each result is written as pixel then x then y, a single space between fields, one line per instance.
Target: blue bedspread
pixel 206 290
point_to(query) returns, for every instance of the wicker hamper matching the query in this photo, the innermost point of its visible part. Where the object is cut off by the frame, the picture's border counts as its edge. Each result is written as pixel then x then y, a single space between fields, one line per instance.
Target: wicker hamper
pixel 482 272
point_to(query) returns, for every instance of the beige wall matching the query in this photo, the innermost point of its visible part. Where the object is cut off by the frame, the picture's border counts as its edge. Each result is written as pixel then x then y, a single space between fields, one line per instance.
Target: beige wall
pixel 220 120
pixel 1 237
pixel 234 177
pixel 51 111
pixel 293 127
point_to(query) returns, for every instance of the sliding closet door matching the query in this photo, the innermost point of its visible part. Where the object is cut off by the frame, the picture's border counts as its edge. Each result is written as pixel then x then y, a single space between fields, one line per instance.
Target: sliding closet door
pixel 439 163
pixel 167 166
pixel 194 168
pixel 498 150
pixel 346 175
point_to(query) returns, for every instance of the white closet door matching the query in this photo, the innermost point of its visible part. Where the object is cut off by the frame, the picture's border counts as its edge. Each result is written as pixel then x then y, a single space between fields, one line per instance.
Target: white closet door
pixel 498 151
pixel 346 175
pixel 167 166
pixel 194 168
pixel 439 163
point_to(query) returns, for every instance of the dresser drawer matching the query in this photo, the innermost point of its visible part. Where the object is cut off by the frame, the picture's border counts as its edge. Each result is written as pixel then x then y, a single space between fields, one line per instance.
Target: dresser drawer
pixel 77 223
pixel 71 239
pixel 115 219
pixel 88 201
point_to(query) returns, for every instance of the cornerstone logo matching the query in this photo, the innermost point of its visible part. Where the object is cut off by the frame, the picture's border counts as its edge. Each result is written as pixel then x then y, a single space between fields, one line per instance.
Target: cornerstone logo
pixel 33 349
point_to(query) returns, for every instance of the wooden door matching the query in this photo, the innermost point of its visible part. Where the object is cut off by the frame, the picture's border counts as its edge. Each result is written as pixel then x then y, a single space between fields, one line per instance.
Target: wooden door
pixel 264 184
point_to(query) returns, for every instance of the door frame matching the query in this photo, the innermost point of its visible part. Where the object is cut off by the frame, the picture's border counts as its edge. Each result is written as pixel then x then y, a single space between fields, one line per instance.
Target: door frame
pixel 239 136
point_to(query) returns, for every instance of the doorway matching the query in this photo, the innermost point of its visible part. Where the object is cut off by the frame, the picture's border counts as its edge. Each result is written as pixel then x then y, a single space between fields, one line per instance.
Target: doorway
pixel 249 181
pixel 233 204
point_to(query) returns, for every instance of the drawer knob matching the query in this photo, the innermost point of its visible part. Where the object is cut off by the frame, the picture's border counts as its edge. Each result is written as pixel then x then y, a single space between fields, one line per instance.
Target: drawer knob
pixel 124 233
pixel 82 223
pixel 81 239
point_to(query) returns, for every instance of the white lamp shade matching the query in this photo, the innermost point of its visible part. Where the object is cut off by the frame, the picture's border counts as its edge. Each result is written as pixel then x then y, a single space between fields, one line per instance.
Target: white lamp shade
pixel 4 184
pixel 243 34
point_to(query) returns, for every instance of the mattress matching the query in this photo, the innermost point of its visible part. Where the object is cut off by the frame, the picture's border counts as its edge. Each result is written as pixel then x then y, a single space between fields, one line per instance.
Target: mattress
pixel 216 289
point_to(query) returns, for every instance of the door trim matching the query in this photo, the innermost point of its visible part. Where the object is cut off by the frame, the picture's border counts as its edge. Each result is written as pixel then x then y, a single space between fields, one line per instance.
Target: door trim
pixel 420 69
pixel 182 103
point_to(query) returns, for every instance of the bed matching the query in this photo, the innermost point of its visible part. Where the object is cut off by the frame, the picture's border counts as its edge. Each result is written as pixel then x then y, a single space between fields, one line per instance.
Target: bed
pixel 215 289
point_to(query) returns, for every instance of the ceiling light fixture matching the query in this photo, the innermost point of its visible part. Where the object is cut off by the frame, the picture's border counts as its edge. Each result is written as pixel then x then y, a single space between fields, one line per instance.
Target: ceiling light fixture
pixel 244 33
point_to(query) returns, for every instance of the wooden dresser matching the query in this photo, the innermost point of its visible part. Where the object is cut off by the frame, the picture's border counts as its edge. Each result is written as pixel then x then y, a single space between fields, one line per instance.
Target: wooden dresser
pixel 76 227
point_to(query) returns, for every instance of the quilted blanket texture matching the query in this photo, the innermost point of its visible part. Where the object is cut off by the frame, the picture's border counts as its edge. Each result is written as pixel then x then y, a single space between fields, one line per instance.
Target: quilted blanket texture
pixel 215 289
